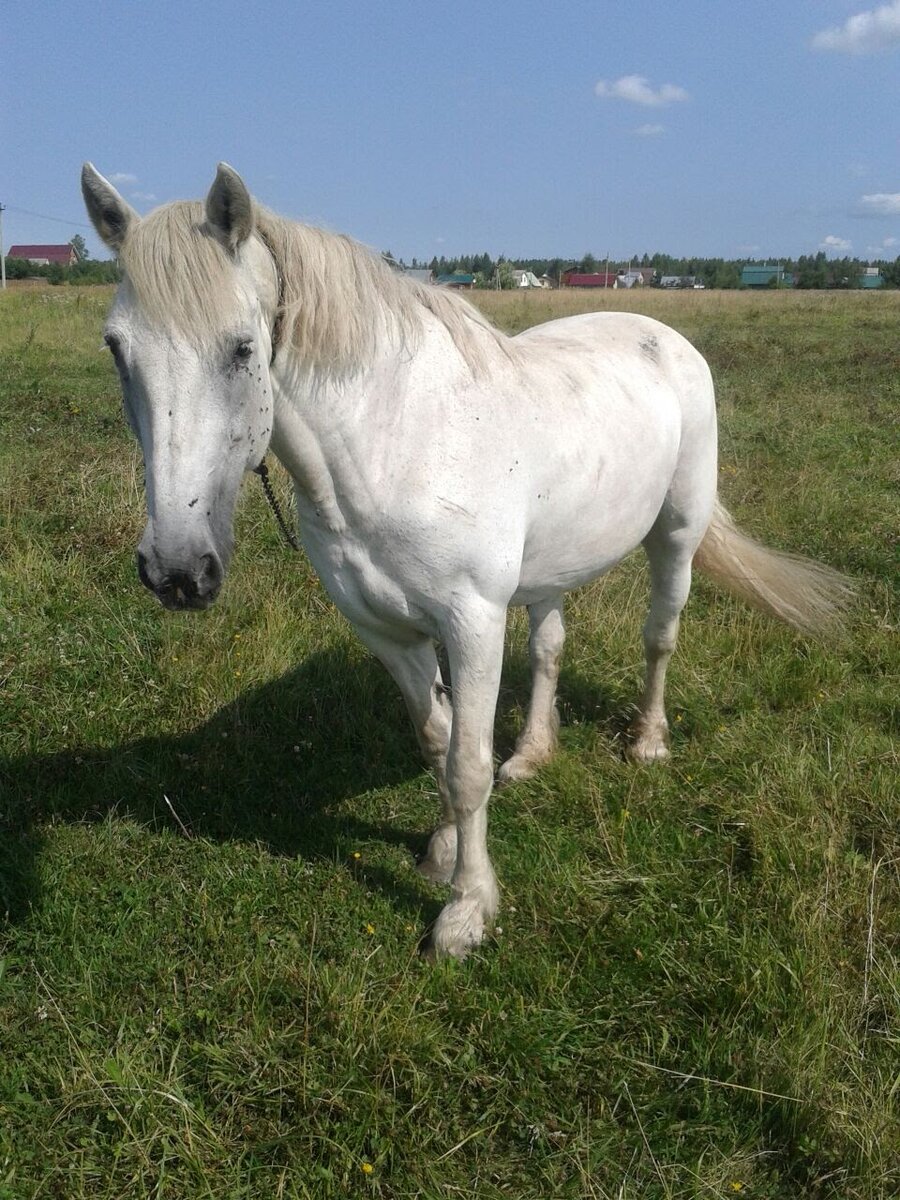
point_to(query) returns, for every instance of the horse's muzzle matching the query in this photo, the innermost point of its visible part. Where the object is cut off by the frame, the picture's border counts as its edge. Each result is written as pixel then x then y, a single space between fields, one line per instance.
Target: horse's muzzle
pixel 193 587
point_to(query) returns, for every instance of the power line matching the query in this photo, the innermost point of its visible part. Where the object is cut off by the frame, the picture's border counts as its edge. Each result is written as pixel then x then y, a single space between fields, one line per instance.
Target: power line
pixel 43 217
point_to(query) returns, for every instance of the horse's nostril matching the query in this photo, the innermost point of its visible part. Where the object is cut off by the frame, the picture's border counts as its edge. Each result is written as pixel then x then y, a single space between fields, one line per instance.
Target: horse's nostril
pixel 142 570
pixel 210 574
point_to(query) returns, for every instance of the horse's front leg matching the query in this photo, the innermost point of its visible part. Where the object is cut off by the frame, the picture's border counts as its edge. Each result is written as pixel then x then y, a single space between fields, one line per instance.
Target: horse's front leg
pixel 474 640
pixel 414 667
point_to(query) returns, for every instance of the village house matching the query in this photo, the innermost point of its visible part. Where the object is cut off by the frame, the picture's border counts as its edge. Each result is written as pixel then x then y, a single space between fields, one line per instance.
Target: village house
pixel 590 279
pixel 43 256
pixel 527 279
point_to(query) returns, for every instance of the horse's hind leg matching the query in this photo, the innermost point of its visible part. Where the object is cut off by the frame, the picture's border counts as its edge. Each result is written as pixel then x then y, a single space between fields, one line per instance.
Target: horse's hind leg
pixel 537 741
pixel 415 669
pixel 669 553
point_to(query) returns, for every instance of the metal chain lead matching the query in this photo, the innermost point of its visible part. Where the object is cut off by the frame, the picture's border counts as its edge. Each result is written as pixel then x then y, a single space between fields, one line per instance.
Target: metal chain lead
pixel 289 536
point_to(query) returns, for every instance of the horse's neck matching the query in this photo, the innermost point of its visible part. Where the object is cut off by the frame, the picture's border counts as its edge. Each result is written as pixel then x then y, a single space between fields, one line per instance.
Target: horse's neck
pixel 338 437
pixel 344 401
pixel 326 431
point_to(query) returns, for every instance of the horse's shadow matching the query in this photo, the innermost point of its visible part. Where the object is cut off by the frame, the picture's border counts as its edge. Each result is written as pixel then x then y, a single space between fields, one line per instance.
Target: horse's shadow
pixel 274 767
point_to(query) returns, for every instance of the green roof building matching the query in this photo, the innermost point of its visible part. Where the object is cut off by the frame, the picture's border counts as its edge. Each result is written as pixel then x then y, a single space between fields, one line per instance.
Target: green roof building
pixel 763 275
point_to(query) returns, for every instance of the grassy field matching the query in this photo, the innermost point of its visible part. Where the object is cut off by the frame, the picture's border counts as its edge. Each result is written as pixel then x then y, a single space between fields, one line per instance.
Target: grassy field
pixel 209 979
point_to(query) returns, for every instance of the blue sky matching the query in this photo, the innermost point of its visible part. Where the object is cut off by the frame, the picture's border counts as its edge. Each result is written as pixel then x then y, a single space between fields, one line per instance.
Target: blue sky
pixel 695 127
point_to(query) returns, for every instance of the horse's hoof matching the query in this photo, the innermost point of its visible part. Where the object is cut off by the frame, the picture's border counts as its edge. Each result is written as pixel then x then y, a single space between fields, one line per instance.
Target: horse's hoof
pixel 435 872
pixel 517 769
pixel 458 929
pixel 462 923
pixel 647 750
pixel 649 740
pixel 439 863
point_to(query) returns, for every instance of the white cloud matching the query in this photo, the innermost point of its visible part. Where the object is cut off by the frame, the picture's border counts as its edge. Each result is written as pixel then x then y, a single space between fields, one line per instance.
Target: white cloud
pixel 880 204
pixel 650 131
pixel 637 90
pixel 889 245
pixel 122 177
pixel 866 33
pixel 836 244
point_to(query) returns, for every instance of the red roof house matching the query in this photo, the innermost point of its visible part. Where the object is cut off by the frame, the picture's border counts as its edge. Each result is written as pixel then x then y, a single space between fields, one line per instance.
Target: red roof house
pixel 596 279
pixel 42 256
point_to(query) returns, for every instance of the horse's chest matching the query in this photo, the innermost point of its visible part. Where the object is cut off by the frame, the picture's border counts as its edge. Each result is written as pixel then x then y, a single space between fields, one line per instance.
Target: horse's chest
pixel 364 587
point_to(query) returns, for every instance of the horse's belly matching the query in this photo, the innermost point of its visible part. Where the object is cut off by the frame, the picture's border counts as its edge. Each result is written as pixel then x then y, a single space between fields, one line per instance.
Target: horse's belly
pixel 568 558
pixel 583 523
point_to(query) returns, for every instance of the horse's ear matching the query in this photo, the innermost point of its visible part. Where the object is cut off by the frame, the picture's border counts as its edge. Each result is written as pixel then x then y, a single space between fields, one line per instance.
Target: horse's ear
pixel 229 209
pixel 110 215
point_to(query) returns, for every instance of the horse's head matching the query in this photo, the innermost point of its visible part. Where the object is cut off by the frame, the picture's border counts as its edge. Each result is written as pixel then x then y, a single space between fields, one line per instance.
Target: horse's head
pixel 191 334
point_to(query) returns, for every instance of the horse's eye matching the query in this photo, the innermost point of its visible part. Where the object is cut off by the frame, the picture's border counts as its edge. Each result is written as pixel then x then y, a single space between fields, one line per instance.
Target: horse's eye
pixel 242 351
pixel 115 347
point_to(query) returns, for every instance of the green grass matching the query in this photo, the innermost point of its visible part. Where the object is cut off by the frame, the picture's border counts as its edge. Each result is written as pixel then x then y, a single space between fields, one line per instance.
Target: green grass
pixel 209 979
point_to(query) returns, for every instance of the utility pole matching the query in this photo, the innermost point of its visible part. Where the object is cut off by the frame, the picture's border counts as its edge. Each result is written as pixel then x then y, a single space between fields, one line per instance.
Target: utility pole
pixel 2 252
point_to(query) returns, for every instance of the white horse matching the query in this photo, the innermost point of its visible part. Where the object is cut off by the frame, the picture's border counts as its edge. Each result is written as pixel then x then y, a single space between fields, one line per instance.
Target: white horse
pixel 443 472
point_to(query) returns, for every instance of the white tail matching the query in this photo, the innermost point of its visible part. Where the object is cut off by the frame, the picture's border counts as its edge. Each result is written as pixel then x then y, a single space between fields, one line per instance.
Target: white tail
pixel 805 594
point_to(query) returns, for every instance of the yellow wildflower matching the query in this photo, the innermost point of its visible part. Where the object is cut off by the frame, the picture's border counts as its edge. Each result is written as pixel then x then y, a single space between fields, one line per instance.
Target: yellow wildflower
pixel 366 1168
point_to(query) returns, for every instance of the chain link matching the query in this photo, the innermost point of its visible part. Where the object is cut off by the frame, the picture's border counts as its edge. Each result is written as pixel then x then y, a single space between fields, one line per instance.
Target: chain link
pixel 289 536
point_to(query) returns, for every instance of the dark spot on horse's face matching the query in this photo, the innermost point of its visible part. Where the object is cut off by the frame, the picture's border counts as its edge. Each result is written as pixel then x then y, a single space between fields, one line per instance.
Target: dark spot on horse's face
pixel 650 346
pixel 193 502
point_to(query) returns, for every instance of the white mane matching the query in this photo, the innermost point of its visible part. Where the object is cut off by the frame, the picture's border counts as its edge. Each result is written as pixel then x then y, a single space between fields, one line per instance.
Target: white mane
pixel 338 302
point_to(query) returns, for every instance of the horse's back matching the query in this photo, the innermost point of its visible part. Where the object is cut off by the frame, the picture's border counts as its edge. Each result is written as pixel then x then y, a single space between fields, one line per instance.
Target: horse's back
pixel 622 344
pixel 629 406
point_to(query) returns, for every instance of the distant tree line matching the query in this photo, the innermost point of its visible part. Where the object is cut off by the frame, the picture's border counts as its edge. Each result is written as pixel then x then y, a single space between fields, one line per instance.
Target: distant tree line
pixel 808 271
